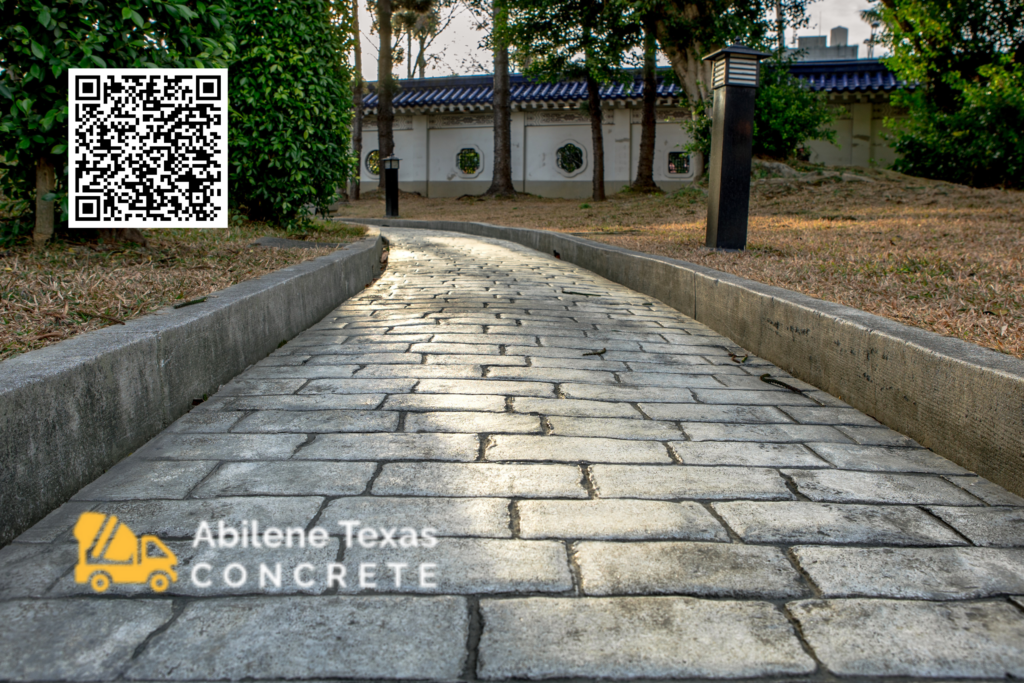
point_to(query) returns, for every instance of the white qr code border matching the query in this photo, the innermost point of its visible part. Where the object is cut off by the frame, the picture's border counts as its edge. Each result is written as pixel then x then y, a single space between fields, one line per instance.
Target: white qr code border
pixel 218 204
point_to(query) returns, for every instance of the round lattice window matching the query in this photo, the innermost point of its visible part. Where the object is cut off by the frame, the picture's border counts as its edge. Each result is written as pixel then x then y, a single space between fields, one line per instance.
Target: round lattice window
pixel 570 158
pixel 468 161
pixel 373 162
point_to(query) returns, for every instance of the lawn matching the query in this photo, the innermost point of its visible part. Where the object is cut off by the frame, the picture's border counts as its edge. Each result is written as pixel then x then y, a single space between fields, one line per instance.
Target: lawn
pixel 942 257
pixel 70 287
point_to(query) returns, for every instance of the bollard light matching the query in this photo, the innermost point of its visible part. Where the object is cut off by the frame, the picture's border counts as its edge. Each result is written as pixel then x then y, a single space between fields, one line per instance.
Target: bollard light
pixel 390 166
pixel 735 78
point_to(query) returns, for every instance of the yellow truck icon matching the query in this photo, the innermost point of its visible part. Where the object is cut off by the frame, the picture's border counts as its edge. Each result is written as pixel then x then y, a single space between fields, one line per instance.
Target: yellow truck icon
pixel 108 552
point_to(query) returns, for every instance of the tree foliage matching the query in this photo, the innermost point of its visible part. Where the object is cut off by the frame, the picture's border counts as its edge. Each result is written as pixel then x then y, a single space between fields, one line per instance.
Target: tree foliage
pixel 291 106
pixel 964 62
pixel 41 40
pixel 786 114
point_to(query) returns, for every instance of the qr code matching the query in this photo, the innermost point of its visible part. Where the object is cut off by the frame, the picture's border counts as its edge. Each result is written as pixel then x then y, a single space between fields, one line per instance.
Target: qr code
pixel 148 148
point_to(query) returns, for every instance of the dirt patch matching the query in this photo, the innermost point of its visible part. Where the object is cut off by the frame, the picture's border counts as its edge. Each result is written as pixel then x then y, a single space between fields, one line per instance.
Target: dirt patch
pixel 942 257
pixel 73 287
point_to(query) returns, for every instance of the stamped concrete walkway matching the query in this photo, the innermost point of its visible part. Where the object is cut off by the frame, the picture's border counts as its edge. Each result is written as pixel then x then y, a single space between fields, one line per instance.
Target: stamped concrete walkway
pixel 500 466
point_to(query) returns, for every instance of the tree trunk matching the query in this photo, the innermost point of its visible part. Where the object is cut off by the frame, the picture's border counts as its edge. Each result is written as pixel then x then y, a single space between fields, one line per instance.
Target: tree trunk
pixel 694 77
pixel 501 174
pixel 597 135
pixel 357 103
pixel 645 167
pixel 385 87
pixel 46 182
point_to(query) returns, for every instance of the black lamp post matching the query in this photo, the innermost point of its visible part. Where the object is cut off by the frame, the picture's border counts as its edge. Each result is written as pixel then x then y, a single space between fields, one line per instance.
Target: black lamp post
pixel 390 166
pixel 735 77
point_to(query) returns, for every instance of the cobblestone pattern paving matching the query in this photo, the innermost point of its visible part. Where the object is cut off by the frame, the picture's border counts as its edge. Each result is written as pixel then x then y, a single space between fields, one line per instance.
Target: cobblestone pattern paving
pixel 615 494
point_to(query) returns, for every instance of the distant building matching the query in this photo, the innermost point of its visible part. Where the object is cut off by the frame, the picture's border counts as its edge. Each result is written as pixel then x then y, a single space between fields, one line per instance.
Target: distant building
pixel 444 131
pixel 818 49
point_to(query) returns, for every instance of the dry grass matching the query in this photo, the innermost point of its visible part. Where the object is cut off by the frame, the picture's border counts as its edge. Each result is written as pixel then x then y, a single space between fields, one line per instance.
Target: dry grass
pixel 73 287
pixel 942 257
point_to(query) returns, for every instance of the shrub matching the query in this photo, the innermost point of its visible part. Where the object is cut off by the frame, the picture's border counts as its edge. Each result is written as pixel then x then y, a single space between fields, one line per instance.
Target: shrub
pixel 291 105
pixel 40 41
pixel 786 114
pixel 979 142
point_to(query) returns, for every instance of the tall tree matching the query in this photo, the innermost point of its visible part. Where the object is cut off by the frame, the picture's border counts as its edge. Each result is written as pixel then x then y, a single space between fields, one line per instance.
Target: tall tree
pixel 41 39
pixel 645 164
pixel 690 29
pixel 966 112
pixel 574 39
pixel 421 22
pixel 358 86
pixel 501 174
pixel 385 86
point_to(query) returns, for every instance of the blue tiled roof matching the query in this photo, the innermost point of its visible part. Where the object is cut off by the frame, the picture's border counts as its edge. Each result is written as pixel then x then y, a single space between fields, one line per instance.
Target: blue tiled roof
pixel 469 91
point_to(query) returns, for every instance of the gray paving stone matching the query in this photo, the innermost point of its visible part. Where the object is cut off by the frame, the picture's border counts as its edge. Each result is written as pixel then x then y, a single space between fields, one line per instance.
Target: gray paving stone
pixel 319 421
pixel 627 393
pixel 479 479
pixel 575 408
pixel 987 491
pixel 244 387
pixel 429 402
pixel 365 358
pixel 222 446
pixel 884 459
pixel 578 364
pixel 488 517
pixel 138 478
pixel 467 565
pixel 78 640
pixel 769 433
pixel 181 518
pixel 614 428
pixel 473 359
pixel 317 402
pixel 198 422
pixel 695 412
pixel 912 638
pixel 462 447
pixel 282 361
pixel 636 637
pixel 878 436
pixel 304 372
pixel 751 398
pixel 440 329
pixel 841 486
pixel 466 422
pixel 500 336
pixel 834 524
pixel 727 570
pixel 671 482
pixel 575 449
pixel 617 519
pixel 485 386
pixel 551 375
pixel 27 570
pixel 421 371
pixel 829 416
pixel 1000 527
pixel 745 454
pixel 379 636
pixel 915 573
pixel 453 348
pixel 287 479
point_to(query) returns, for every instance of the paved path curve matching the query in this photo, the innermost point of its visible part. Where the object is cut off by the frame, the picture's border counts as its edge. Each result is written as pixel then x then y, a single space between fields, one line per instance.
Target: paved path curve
pixel 491 465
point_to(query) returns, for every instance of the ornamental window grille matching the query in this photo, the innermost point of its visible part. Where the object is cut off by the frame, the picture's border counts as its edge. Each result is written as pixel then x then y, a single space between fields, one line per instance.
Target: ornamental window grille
pixel 569 158
pixel 678 163
pixel 373 162
pixel 468 161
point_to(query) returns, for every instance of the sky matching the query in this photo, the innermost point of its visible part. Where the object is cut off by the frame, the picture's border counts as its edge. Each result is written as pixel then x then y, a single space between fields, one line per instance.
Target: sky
pixel 459 51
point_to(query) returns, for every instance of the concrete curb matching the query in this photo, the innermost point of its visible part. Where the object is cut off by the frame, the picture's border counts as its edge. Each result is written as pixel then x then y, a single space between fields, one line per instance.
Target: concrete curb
pixel 962 401
pixel 72 410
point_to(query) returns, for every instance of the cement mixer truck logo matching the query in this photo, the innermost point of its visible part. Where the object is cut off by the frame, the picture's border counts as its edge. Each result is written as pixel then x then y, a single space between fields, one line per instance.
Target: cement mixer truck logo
pixel 108 552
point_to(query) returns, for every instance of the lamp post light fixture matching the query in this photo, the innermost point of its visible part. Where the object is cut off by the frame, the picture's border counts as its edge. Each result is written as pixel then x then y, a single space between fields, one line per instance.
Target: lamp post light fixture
pixel 736 74
pixel 390 167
